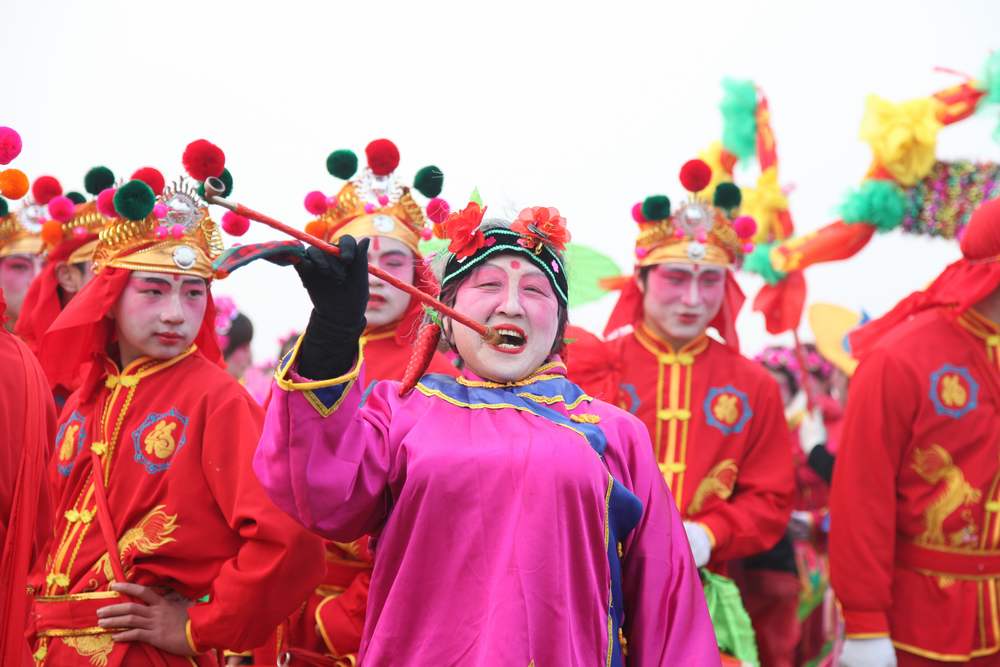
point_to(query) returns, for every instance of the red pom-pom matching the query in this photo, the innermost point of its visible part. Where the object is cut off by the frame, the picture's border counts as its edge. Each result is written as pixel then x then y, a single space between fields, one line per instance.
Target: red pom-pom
pixel 151 177
pixel 383 157
pixel 234 224
pixel 637 212
pixel 52 233
pixel 316 202
pixel 437 210
pixel 61 208
pixel 745 227
pixel 695 175
pixel 202 160
pixel 106 203
pixel 44 189
pixel 10 144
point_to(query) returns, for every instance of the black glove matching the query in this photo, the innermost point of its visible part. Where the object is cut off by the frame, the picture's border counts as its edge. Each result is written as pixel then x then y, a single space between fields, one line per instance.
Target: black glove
pixel 338 288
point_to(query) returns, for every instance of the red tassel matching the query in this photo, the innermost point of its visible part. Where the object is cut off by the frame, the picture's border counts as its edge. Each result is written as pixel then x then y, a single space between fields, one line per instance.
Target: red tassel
pixel 424 348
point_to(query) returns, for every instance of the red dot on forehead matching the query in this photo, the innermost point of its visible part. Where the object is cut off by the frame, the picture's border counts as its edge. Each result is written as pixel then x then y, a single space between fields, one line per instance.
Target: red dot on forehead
pixel 376 244
pixel 514 264
pixel 177 277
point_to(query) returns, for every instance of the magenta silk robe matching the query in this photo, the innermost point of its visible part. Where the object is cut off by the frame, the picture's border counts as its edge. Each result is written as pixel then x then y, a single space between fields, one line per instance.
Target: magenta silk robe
pixel 515 525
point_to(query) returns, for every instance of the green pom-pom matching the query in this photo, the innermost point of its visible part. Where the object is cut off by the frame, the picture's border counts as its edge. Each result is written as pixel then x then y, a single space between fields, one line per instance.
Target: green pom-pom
pixel 876 202
pixel 759 262
pixel 98 179
pixel 227 180
pixel 4 208
pixel 739 117
pixel 134 200
pixel 429 181
pixel 727 196
pixel 656 207
pixel 991 78
pixel 343 164
pixel 75 197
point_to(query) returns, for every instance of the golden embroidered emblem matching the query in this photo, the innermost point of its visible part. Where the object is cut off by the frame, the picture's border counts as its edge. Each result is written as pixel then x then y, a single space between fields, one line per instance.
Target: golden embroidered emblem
pixel 95 647
pixel 152 532
pixel 160 441
pixel 953 392
pixel 719 482
pixel 726 409
pixel 68 446
pixel 935 466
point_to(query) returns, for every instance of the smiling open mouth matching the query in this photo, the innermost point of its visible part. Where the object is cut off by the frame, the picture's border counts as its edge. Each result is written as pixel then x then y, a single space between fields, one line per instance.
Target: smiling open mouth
pixel 512 339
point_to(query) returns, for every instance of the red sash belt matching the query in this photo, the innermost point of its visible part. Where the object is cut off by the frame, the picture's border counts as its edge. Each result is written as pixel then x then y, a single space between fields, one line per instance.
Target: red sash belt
pixel 954 563
pixel 70 615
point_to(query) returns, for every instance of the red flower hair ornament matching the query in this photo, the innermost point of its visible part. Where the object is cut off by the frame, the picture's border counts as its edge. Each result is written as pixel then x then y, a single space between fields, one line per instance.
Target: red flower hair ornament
pixel 541 225
pixel 462 228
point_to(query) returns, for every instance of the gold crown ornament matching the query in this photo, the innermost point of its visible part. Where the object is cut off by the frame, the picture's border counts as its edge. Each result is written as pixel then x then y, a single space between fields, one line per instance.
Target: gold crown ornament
pixel 167 228
pixel 374 202
pixel 701 230
pixel 20 230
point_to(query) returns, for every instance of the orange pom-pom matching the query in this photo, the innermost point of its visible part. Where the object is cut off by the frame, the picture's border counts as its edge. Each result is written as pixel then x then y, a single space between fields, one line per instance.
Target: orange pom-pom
pixel 52 233
pixel 316 228
pixel 13 183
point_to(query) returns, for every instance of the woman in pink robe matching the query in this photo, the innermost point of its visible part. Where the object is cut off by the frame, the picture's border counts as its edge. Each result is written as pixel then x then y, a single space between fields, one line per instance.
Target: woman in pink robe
pixel 518 521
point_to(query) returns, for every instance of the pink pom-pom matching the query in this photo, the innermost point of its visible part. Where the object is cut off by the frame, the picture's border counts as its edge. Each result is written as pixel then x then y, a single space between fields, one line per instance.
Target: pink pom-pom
pixel 637 212
pixel 701 237
pixel 61 208
pixel 10 144
pixel 426 234
pixel 177 231
pixel 79 232
pixel 748 248
pixel 331 202
pixel 160 211
pixel 383 200
pixel 678 233
pixel 235 224
pixel 106 203
pixel 745 226
pixel 161 232
pixel 369 207
pixel 641 252
pixel 437 210
pixel 316 202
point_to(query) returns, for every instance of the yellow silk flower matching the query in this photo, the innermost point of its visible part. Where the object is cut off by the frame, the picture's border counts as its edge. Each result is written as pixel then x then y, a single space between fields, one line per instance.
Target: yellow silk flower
pixel 763 204
pixel 902 136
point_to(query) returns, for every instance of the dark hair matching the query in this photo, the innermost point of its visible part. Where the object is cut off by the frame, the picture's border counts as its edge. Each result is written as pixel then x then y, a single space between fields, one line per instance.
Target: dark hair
pixel 240 334
pixel 450 292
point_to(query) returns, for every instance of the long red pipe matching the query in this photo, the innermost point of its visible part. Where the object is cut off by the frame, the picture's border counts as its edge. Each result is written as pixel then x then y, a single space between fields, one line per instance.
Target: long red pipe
pixel 212 195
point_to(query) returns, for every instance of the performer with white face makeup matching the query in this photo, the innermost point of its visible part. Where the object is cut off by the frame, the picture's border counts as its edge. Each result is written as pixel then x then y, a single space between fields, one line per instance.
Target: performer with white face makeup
pixel 520 521
pixel 715 418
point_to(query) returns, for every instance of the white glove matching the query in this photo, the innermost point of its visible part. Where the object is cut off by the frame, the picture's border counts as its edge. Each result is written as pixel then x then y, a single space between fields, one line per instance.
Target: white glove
pixel 701 543
pixel 877 652
pixel 812 430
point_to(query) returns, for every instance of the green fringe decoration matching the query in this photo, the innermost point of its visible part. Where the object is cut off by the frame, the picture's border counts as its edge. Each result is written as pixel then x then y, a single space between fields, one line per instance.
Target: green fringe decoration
pixel 739 117
pixel 876 202
pixel 433 315
pixel 991 79
pixel 759 262
pixel 733 629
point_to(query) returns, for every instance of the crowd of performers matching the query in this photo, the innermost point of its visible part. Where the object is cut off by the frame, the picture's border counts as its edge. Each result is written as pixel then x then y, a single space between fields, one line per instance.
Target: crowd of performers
pixel 405 488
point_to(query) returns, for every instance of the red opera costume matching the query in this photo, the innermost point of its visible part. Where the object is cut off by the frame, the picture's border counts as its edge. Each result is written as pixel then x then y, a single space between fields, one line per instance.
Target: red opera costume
pixel 915 505
pixel 371 204
pixel 152 475
pixel 715 418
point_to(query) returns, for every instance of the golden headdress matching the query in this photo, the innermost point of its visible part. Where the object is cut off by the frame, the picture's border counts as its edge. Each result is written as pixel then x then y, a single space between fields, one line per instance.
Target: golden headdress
pixel 374 202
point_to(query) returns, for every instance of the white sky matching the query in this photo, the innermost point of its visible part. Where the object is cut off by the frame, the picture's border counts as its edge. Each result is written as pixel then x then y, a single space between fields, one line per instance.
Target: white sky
pixel 587 107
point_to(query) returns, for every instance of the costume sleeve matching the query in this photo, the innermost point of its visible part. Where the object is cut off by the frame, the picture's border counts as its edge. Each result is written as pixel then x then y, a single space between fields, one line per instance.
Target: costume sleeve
pixel 666 620
pixel 756 515
pixel 324 456
pixel 278 564
pixel 883 400
pixel 590 364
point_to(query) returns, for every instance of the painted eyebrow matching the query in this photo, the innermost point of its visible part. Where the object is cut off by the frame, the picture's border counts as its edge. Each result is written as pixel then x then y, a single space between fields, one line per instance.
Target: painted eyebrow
pixel 155 281
pixel 393 253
